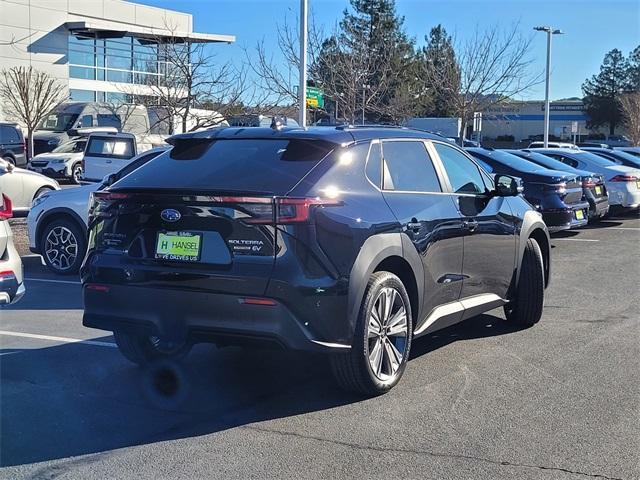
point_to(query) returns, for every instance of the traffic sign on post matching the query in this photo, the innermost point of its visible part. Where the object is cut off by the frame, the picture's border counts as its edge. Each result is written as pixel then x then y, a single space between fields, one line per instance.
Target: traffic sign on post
pixel 315 97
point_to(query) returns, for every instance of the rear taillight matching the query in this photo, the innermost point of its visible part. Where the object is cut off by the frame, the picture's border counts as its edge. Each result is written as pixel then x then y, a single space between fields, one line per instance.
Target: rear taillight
pixel 296 210
pixel 588 182
pixel 98 200
pixel 557 187
pixel 260 210
pixel 266 302
pixel 6 274
pixel 624 178
pixel 6 209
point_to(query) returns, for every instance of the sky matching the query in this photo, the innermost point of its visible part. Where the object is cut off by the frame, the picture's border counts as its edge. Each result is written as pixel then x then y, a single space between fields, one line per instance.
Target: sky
pixel 592 27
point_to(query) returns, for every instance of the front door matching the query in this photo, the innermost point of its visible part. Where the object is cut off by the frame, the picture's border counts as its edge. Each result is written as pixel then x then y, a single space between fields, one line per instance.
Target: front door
pixel 490 231
pixel 412 189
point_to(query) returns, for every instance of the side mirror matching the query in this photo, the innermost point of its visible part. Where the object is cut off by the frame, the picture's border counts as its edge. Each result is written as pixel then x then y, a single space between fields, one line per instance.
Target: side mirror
pixel 109 179
pixel 507 186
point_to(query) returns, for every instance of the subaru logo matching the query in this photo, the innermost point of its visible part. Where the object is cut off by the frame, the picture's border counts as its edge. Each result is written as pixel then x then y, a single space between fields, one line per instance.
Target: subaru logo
pixel 170 215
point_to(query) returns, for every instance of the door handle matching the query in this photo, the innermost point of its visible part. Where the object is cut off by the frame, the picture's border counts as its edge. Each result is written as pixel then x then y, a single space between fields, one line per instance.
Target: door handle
pixel 470 225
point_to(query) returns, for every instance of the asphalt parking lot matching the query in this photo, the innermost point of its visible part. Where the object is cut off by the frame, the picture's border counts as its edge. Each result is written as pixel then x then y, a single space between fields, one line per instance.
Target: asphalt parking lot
pixel 479 400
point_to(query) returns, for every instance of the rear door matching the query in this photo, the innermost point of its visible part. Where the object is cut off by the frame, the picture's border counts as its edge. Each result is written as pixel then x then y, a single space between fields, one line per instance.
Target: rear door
pixel 105 154
pixel 489 226
pixel 412 189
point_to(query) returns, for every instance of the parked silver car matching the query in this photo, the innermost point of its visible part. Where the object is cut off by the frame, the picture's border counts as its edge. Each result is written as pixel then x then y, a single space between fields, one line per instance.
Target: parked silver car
pixel 11 280
pixel 23 186
pixel 57 223
pixel 65 161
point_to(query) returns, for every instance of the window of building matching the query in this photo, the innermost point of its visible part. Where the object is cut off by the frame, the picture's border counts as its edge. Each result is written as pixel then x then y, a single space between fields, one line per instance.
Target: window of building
pixel 464 175
pixel 407 167
pixel 82 95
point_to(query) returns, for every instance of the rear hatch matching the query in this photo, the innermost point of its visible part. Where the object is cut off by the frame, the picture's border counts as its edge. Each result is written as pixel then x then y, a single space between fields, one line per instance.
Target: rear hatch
pixel 204 218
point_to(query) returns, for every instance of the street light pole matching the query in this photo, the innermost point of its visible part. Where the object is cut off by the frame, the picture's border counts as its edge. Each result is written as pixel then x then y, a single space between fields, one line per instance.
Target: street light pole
pixel 302 88
pixel 550 32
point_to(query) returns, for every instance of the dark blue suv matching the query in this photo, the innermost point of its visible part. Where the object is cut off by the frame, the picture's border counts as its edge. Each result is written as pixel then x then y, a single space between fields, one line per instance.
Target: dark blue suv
pixel 349 241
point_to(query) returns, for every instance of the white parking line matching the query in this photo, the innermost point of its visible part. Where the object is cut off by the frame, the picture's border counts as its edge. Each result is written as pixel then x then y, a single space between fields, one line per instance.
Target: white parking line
pixel 575 239
pixel 58 339
pixel 69 282
pixel 623 228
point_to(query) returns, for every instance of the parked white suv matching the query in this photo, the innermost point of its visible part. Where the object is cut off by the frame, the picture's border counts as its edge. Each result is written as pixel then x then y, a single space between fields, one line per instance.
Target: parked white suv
pixel 11 280
pixel 57 222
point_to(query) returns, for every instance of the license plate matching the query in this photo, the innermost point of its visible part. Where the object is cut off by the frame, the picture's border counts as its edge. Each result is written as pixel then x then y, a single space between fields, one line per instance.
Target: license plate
pixel 598 190
pixel 579 215
pixel 180 246
pixel 638 184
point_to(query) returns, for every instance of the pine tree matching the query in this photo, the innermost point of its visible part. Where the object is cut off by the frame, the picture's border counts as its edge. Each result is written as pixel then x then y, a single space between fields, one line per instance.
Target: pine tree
pixel 633 72
pixel 439 54
pixel 602 92
pixel 368 63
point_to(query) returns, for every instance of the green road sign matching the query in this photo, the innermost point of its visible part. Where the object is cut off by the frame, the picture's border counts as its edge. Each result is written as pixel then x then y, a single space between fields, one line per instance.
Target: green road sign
pixel 315 97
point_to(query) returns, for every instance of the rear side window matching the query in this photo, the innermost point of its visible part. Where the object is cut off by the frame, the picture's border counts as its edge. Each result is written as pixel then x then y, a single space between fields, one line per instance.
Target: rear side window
pixel 374 164
pixel 407 167
pixel 253 165
pixel 9 135
pixel 110 147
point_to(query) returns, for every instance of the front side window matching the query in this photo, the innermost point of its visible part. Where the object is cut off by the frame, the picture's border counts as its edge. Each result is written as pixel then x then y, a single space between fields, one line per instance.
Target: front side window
pixel 407 167
pixel 464 175
pixel 563 159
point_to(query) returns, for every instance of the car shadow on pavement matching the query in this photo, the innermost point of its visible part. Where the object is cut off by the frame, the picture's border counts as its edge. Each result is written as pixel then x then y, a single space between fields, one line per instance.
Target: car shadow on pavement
pixel 79 399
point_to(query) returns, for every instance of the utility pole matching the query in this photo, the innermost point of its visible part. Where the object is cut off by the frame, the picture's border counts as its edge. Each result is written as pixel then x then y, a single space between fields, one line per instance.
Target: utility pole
pixel 302 89
pixel 550 32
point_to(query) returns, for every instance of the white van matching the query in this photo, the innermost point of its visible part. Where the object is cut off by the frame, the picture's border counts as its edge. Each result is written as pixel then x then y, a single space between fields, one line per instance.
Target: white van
pixel 106 153
pixel 65 121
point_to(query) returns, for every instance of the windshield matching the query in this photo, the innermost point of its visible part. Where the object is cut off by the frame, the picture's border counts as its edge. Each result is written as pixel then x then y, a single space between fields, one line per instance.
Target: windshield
pixel 71 147
pixel 58 122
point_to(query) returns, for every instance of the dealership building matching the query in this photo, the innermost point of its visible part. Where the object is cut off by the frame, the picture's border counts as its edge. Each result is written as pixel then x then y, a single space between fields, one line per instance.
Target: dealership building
pixel 103 50
pixel 525 119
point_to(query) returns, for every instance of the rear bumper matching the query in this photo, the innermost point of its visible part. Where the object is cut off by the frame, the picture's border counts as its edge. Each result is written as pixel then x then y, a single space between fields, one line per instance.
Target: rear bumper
pixel 623 195
pixel 598 207
pixel 197 317
pixel 565 218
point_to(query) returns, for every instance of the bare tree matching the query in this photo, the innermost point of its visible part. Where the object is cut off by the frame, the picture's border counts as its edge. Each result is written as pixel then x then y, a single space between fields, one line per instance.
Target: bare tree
pixel 28 95
pixel 630 106
pixel 493 66
pixel 190 80
pixel 277 75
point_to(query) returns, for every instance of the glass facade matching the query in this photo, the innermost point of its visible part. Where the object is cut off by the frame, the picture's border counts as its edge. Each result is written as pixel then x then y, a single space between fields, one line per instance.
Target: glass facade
pixel 123 60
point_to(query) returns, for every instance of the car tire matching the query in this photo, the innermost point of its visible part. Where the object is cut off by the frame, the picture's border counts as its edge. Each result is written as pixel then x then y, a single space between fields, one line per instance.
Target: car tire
pixel 142 350
pixel 9 159
pixel 525 309
pixel 76 173
pixel 56 246
pixel 377 358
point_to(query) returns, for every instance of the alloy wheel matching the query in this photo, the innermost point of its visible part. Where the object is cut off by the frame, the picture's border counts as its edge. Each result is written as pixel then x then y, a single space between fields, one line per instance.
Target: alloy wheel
pixel 387 334
pixel 77 173
pixel 61 248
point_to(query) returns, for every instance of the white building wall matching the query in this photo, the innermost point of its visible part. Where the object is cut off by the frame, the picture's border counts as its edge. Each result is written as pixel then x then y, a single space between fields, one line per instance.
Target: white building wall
pixel 32 33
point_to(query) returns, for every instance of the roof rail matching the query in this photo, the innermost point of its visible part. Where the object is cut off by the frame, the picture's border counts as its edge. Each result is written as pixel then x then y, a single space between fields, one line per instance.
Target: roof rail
pixel 349 127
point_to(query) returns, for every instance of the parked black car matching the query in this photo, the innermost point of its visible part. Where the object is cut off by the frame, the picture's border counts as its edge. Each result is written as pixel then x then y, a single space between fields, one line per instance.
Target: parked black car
pixel 12 145
pixel 556 194
pixel 593 186
pixel 349 241
pixel 617 156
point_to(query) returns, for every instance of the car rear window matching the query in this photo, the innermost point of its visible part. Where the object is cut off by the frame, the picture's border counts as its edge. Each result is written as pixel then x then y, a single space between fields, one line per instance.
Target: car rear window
pixel 110 147
pixel 493 157
pixel 255 165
